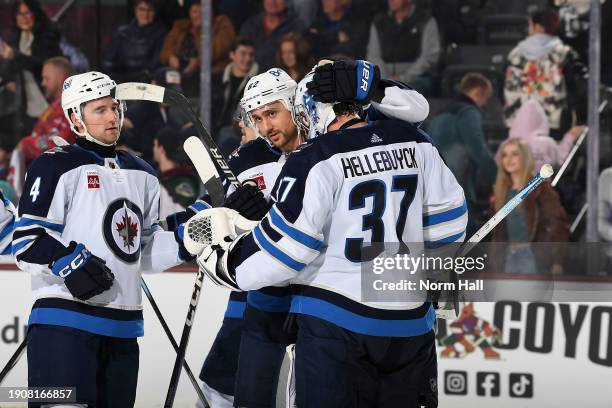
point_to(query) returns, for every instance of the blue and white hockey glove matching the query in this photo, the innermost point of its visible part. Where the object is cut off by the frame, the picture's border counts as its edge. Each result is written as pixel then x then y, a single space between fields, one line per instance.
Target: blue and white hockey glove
pixel 249 201
pixel 344 81
pixel 85 275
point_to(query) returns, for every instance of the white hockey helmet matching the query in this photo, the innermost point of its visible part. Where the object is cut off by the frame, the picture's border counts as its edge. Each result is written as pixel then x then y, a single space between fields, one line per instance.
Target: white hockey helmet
pixel 271 86
pixel 82 88
pixel 311 117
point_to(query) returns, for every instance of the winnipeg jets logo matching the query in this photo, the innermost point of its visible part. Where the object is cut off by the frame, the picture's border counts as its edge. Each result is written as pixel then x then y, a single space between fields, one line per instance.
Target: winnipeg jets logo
pixel 122 227
pixel 375 138
pixel 127 229
pixel 274 71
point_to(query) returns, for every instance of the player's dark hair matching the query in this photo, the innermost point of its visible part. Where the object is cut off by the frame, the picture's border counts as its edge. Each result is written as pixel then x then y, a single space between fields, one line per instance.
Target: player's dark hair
pixel 547 18
pixel 347 108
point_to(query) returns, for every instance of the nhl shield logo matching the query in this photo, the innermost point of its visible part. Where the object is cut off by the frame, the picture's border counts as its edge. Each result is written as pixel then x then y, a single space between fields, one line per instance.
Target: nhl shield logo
pixel 123 229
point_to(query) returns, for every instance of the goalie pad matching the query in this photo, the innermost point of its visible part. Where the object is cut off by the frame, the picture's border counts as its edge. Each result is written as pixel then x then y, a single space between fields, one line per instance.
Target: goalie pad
pixel 212 226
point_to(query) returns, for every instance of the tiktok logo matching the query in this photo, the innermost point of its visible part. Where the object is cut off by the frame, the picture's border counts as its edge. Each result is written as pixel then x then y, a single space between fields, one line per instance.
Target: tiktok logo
pixel 521 385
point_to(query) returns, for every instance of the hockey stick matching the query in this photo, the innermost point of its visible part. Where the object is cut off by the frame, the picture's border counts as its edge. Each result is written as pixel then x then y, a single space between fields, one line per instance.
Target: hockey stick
pixel 14 359
pixel 575 148
pixel 545 172
pixel 196 151
pixel 161 319
pixel 62 142
pixel 153 93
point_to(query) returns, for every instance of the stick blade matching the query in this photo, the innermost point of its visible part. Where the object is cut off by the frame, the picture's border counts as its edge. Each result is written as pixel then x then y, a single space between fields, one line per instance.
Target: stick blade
pixel 199 156
pixel 138 91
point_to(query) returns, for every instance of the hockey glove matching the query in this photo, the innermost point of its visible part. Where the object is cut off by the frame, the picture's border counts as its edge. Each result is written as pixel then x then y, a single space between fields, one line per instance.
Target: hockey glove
pixel 344 81
pixel 176 222
pixel 248 201
pixel 212 226
pixel 213 261
pixel 85 275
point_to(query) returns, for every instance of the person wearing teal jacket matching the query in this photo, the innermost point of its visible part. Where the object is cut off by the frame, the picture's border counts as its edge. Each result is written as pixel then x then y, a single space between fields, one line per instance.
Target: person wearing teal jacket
pixel 457 133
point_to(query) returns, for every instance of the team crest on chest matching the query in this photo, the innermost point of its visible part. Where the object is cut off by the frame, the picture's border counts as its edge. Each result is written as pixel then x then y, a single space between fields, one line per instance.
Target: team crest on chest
pixel 123 229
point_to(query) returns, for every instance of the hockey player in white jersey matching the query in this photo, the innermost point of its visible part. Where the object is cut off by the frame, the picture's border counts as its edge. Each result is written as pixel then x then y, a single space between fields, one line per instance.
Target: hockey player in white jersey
pixel 359 183
pixel 86 229
pixel 267 105
pixel 7 218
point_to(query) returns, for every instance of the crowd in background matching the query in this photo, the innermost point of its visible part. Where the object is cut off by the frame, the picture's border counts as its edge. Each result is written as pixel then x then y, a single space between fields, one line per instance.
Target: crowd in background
pixel 495 120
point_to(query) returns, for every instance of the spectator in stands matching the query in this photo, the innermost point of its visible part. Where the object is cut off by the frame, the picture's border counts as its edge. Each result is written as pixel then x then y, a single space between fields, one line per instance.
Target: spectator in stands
pixel 182 48
pixel 294 56
pixel 179 183
pixel 9 101
pixel 228 87
pixel 543 68
pixel 52 122
pixel 267 30
pixel 531 124
pixel 541 217
pixel 144 119
pixel 33 41
pixel 457 132
pixel 338 31
pixel 6 148
pixel 133 54
pixel 405 44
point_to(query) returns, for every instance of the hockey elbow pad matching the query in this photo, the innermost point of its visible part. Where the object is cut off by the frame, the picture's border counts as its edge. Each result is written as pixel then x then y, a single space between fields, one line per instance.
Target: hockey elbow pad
pixel 85 275
pixel 249 201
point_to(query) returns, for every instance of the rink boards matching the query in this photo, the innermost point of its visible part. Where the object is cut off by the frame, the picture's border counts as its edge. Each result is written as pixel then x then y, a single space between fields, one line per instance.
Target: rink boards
pixel 550 354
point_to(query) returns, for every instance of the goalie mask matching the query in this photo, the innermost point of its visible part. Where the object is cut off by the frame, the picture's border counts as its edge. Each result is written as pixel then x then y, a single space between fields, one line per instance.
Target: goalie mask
pixel 263 89
pixel 311 117
pixel 82 88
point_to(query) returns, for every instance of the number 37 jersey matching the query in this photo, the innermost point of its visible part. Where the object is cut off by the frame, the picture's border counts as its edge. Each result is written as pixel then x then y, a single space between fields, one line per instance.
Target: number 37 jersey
pixel 335 196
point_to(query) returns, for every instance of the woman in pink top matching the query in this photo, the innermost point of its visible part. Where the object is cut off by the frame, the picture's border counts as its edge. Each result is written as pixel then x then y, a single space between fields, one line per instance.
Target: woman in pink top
pixel 531 124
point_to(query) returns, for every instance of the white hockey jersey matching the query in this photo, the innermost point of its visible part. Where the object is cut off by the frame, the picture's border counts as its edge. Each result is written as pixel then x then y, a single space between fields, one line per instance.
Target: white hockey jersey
pixel 110 205
pixel 7 218
pixel 384 182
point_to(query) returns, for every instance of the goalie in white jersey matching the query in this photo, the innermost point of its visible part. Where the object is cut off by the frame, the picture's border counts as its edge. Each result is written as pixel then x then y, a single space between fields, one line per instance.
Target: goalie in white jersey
pixel 86 229
pixel 382 182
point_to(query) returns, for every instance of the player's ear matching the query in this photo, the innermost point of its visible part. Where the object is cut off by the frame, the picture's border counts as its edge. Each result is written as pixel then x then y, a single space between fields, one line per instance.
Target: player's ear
pixel 77 123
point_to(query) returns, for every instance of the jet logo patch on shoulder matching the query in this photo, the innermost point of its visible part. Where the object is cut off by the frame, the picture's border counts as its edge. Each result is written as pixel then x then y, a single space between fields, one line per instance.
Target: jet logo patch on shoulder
pixel 123 229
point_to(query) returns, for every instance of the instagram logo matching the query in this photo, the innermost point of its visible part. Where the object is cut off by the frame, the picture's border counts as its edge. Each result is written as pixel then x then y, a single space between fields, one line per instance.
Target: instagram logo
pixel 455 382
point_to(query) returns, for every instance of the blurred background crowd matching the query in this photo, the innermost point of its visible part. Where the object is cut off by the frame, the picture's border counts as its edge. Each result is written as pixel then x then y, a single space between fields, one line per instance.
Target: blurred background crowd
pixel 506 82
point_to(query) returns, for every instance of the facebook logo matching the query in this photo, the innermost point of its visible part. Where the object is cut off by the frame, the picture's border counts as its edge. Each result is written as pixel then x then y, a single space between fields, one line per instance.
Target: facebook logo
pixel 521 385
pixel 487 384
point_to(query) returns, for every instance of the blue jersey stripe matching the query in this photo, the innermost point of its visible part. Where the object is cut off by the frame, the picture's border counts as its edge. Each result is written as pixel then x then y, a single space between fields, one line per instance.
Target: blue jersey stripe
pixel 199 205
pixel 275 252
pixel 429 220
pixel 8 250
pixel 444 241
pixel 6 231
pixel 17 247
pixel 361 324
pixel 235 309
pixel 293 232
pixel 269 303
pixel 92 324
pixel 23 222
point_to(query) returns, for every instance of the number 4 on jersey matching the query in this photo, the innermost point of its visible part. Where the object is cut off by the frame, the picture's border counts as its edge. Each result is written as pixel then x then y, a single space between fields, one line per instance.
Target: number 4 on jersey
pixel 35 190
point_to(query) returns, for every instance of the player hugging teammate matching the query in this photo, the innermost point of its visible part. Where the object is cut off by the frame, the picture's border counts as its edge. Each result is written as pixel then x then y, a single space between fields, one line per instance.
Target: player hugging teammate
pixel 348 352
